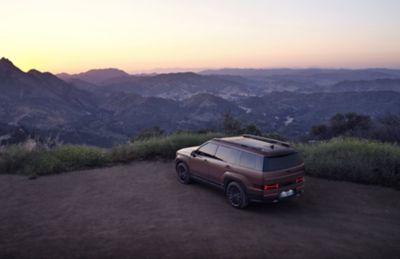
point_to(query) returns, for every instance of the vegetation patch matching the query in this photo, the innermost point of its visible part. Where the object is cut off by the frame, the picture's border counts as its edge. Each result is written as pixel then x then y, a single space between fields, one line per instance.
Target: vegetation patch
pixel 42 160
pixel 348 159
pixel 356 160
pixel 17 159
pixel 163 147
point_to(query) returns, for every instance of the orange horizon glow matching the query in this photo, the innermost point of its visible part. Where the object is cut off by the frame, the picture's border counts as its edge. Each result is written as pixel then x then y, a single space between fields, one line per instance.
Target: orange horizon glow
pixel 137 36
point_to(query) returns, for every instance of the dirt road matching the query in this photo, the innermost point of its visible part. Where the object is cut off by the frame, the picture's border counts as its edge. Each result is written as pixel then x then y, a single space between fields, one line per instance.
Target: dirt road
pixel 141 211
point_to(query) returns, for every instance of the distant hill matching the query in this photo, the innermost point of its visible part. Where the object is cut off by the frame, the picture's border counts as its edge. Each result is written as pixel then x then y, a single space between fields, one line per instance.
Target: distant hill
pixel 233 84
pixel 47 105
pixel 95 76
pixel 366 85
pixel 130 112
pixel 39 99
pixel 111 109
pixel 310 75
pixel 287 112
pixel 293 113
pixel 178 86
pixel 306 72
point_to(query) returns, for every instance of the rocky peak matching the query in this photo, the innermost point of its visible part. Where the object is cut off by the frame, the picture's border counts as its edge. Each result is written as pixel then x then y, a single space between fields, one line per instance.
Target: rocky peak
pixel 6 66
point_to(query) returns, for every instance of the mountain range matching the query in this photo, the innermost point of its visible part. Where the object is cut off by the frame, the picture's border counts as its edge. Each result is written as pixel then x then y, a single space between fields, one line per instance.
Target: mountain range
pixel 107 106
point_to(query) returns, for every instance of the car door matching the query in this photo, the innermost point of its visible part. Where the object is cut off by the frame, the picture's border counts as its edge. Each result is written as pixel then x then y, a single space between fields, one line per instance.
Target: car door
pixel 227 159
pixel 203 163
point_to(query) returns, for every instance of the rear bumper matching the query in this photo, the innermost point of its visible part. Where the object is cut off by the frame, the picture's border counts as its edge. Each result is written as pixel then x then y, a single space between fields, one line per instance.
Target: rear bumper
pixel 276 197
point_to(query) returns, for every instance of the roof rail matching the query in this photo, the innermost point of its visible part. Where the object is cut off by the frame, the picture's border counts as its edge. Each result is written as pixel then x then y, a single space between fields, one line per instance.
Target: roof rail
pixel 268 140
pixel 237 144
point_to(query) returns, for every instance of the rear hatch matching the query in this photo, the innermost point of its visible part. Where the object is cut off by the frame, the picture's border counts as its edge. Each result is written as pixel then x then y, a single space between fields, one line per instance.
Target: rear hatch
pixel 283 170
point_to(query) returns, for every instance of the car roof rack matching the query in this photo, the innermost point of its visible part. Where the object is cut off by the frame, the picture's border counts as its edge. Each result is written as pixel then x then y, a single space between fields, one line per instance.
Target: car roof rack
pixel 268 140
pixel 238 144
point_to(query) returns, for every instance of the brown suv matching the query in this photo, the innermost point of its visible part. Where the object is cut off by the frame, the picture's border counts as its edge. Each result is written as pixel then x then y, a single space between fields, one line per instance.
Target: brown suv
pixel 247 168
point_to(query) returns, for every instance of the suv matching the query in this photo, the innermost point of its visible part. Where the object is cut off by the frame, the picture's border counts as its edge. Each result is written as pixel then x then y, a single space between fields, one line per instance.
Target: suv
pixel 248 168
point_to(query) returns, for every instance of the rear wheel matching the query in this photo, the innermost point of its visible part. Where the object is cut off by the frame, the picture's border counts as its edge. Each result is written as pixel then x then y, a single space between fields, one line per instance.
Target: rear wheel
pixel 183 173
pixel 236 195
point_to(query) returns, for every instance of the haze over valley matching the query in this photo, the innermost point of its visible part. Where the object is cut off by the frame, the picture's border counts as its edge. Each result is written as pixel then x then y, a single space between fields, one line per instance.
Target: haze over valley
pixel 108 106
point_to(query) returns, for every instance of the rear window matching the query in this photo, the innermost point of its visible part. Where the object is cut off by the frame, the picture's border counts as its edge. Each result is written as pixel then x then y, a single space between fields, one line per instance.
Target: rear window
pixel 250 160
pixel 281 162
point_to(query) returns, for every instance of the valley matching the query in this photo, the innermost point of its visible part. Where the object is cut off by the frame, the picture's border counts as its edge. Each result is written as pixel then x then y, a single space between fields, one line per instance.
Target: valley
pixel 105 107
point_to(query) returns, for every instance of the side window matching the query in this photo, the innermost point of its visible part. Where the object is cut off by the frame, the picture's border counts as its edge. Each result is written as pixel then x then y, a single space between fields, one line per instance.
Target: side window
pixel 208 149
pixel 250 160
pixel 228 154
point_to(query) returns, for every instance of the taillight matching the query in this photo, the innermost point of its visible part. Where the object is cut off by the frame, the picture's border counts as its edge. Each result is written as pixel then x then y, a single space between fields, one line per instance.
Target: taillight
pixel 271 186
pixel 300 179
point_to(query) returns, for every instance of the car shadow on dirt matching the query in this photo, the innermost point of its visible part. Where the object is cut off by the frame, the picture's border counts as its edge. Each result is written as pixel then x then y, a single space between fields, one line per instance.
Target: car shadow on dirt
pixel 290 205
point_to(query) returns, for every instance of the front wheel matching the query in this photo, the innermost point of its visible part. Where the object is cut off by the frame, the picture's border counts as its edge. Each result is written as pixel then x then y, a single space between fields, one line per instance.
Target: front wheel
pixel 236 195
pixel 183 173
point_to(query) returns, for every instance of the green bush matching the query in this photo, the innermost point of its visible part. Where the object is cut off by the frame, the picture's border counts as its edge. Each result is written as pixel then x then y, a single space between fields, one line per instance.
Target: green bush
pixel 163 147
pixel 73 157
pixel 18 160
pixel 362 161
pixel 14 158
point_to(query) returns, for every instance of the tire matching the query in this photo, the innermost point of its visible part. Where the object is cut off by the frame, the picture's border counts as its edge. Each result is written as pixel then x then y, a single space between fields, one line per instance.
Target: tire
pixel 183 173
pixel 236 195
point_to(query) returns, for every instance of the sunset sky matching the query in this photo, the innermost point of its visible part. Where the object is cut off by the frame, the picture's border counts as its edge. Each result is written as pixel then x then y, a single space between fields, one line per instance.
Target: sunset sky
pixel 76 35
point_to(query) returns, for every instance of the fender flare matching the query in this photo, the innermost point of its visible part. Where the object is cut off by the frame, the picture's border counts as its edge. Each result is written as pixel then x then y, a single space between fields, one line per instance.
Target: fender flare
pixel 231 176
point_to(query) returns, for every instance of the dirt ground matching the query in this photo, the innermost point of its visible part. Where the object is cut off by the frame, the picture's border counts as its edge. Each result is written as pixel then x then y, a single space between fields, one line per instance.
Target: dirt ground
pixel 141 211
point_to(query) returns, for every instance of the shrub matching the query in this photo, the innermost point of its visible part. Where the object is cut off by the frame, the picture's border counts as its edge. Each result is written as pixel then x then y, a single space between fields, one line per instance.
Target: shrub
pixel 348 159
pixel 74 157
pixel 155 131
pixel 14 158
pixel 231 125
pixel 18 160
pixel 356 160
pixel 252 129
pixel 275 135
pixel 350 124
pixel 163 147
pixel 387 128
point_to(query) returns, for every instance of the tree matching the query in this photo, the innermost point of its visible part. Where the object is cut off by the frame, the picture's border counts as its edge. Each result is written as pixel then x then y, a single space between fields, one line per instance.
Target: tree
pixel 388 128
pixel 252 129
pixel 390 120
pixel 18 135
pixel 356 123
pixel 148 133
pixel 349 124
pixel 337 124
pixel 275 135
pixel 231 125
pixel 321 131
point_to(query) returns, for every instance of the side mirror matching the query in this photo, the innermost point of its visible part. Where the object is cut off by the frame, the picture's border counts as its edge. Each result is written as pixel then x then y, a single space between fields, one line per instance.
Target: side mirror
pixel 193 154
